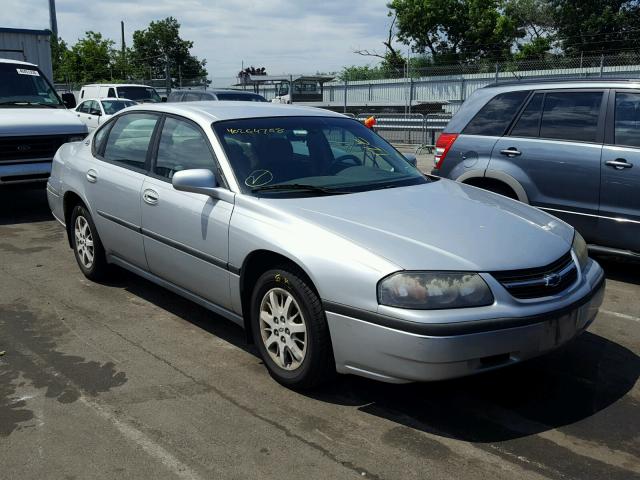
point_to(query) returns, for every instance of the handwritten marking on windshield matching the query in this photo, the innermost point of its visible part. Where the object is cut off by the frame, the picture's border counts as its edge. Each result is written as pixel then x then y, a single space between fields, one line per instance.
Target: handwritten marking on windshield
pixel 254 131
pixel 258 178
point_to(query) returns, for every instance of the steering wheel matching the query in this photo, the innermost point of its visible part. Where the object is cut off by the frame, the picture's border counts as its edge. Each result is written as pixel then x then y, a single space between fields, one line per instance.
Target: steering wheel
pixel 342 162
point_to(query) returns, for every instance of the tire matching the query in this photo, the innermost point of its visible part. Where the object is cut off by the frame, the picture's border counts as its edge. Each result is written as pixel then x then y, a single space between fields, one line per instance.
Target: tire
pixel 501 189
pixel 86 244
pixel 279 353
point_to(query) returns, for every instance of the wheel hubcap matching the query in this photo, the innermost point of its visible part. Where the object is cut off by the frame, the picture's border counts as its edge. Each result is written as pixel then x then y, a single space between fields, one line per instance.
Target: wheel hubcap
pixel 84 241
pixel 283 329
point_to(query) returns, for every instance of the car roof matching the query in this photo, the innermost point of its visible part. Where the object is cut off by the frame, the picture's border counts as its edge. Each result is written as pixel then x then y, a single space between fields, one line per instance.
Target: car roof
pixel 9 60
pixel 115 85
pixel 566 83
pixel 227 110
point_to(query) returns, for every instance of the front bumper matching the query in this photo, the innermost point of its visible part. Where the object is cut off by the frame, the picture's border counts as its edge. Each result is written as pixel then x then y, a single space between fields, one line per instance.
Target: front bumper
pixel 15 173
pixel 388 354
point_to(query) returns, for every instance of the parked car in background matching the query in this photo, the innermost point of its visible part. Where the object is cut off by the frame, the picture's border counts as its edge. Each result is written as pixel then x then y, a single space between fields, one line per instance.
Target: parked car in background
pixel 571 148
pixel 216 94
pixel 137 93
pixel 34 122
pixel 95 112
pixel 318 237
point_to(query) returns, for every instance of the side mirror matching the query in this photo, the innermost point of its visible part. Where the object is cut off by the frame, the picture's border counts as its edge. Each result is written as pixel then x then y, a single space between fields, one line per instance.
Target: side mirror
pixel 69 100
pixel 411 158
pixel 200 180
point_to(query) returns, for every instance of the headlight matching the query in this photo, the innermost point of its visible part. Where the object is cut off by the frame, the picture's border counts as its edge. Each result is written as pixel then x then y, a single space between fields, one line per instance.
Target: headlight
pixel 76 138
pixel 434 290
pixel 582 251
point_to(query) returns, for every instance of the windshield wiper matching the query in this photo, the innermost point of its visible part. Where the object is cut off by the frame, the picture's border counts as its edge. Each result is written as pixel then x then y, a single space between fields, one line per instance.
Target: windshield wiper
pixel 15 102
pixel 298 186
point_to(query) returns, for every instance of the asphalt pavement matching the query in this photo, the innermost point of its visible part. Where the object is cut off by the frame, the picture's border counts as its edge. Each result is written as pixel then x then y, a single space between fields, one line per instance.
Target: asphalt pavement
pixel 125 380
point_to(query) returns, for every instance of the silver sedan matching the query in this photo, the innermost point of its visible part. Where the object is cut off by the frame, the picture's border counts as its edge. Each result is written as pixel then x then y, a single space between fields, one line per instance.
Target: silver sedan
pixel 330 248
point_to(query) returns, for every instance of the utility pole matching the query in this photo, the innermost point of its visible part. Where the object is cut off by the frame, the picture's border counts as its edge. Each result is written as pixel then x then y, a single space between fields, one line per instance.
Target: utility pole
pixel 167 75
pixel 53 22
pixel 124 61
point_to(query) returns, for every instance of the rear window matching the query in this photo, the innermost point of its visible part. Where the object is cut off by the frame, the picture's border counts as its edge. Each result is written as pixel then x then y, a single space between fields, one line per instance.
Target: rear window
pixel 571 116
pixel 494 118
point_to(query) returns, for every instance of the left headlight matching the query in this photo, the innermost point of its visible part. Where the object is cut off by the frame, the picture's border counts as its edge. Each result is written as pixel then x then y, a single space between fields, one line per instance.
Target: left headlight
pixel 434 290
pixel 580 248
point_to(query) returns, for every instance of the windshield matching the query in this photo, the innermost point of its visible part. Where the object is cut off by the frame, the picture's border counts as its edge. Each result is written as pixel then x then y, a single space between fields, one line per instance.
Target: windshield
pixel 24 85
pixel 319 153
pixel 113 106
pixel 139 94
pixel 241 97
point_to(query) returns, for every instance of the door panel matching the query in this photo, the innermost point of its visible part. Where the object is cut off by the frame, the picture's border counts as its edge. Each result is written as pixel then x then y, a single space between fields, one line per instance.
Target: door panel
pixel 186 240
pixel 186 235
pixel 560 173
pixel 115 197
pixel 619 225
pixel 114 185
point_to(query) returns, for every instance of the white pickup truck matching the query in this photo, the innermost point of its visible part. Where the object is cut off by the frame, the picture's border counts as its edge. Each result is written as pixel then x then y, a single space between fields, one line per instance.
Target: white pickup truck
pixel 34 123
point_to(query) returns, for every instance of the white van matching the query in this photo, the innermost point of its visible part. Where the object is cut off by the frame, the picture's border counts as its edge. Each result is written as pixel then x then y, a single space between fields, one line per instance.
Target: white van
pixel 137 93
pixel 34 122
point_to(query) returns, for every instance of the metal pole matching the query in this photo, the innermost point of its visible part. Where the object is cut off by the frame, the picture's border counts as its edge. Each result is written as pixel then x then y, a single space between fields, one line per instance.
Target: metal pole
pixel 180 75
pixel 601 64
pixel 53 21
pixel 345 97
pixel 497 70
pixel 167 75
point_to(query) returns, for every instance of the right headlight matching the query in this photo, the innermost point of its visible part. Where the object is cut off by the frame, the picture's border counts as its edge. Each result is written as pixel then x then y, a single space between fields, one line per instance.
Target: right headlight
pixel 434 290
pixel 581 250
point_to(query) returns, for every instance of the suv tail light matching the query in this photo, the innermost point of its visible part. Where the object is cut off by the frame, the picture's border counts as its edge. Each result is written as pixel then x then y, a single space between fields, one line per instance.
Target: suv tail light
pixel 443 145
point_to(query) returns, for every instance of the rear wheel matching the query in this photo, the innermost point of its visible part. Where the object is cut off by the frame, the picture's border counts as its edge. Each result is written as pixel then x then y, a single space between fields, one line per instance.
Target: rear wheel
pixel 290 329
pixel 86 244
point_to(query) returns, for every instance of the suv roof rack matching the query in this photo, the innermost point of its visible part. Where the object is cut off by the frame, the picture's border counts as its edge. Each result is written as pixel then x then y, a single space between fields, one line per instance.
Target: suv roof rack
pixel 562 80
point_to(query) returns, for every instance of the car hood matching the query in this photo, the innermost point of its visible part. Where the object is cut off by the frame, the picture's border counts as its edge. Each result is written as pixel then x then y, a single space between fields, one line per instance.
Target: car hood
pixel 442 225
pixel 39 121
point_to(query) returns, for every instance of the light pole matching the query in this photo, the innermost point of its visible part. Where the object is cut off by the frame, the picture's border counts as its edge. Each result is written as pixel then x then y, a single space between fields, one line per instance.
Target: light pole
pixel 53 22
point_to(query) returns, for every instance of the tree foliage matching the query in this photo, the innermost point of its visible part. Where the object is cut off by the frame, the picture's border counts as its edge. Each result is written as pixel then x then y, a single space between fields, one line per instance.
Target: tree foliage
pixel 94 58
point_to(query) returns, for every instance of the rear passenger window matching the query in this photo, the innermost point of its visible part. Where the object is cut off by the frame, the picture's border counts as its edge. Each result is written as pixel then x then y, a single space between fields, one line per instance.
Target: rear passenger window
pixel 129 139
pixel 528 125
pixel 191 97
pixel 571 116
pixel 494 118
pixel 627 123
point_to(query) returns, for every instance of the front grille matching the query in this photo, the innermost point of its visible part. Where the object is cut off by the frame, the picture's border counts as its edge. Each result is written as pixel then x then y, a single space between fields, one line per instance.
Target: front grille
pixel 541 281
pixel 27 148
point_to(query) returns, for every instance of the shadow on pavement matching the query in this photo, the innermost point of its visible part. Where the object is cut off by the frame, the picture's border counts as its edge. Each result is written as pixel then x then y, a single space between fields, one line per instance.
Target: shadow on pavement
pixel 24 204
pixel 620 268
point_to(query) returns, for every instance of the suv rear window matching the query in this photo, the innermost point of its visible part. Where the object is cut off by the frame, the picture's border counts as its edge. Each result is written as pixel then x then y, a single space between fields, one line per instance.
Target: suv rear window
pixel 571 116
pixel 494 118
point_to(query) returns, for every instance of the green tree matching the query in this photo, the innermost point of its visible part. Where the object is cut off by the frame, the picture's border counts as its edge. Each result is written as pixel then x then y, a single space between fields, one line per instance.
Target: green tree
pixel 160 43
pixel 597 26
pixel 89 60
pixel 59 51
pixel 456 30
pixel 536 19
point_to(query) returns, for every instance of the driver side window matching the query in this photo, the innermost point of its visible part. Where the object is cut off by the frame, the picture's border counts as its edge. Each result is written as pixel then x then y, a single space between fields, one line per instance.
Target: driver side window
pixel 182 147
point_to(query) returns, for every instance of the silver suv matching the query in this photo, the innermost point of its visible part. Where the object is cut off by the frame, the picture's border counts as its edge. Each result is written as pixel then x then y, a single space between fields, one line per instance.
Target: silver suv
pixel 571 148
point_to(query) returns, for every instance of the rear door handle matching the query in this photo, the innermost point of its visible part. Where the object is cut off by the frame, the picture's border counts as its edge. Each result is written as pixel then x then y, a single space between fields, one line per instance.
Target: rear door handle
pixel 511 152
pixel 618 164
pixel 92 176
pixel 150 196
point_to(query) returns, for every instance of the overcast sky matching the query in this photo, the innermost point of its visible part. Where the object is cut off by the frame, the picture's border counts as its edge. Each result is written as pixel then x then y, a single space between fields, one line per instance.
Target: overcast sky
pixel 285 36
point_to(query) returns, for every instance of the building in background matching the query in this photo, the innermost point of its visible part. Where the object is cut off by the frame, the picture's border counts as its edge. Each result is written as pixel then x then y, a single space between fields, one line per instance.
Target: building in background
pixel 32 46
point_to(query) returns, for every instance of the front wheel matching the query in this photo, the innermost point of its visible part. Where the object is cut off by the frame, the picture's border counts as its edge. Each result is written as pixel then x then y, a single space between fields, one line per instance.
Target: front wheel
pixel 86 244
pixel 290 330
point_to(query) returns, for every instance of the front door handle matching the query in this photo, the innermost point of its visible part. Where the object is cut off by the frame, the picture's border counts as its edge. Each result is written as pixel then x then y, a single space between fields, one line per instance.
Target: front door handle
pixel 150 196
pixel 618 164
pixel 92 176
pixel 511 152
